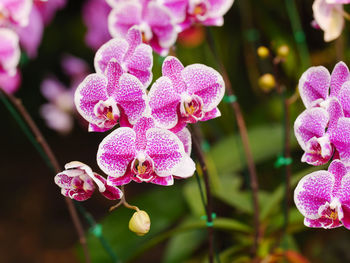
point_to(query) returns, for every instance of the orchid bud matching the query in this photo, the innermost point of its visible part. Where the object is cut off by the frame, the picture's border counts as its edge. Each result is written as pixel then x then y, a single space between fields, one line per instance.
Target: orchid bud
pixel 283 51
pixel 140 223
pixel 263 52
pixel 267 82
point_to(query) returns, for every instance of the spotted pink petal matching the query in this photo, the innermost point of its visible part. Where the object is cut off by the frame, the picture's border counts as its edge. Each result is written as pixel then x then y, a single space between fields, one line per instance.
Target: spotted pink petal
pixel 125 15
pixel 339 170
pixel 9 51
pixel 206 83
pixel 310 123
pixel 340 137
pixel 164 181
pixel 116 152
pixel 211 114
pixel 186 168
pixel 134 39
pixel 161 22
pixel 346 210
pixel 165 150
pixel 141 128
pixel 314 85
pixel 113 73
pixel 318 151
pixel 335 111
pixel 114 49
pixel 17 10
pixel 131 97
pixel 88 94
pixel 117 181
pixel 110 192
pixel 185 137
pixel 340 75
pixel 322 223
pixel 164 102
pixel 313 191
pixel 172 68
pixel 344 98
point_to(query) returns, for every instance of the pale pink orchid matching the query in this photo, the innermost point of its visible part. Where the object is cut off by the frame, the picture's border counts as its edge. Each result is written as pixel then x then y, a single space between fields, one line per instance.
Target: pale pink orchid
pixel 95 16
pixel 185 94
pixel 323 197
pixel 103 100
pixel 9 51
pixel 329 16
pixel 154 20
pixel 15 12
pixel 205 12
pixel 133 56
pixel 322 130
pixel 143 153
pixel 10 83
pixel 78 182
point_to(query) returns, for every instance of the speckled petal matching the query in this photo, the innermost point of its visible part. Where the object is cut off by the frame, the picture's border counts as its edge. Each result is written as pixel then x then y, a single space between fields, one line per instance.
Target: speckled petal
pixel 310 123
pixel 344 98
pixel 172 68
pixel 114 49
pixel 141 128
pixel 340 75
pixel 185 137
pixel 165 150
pixel 131 97
pixel 206 83
pixel 340 137
pixel 116 151
pixel 211 114
pixel 118 181
pixel 165 181
pixel 110 192
pixel 314 85
pixel 312 192
pixel 124 16
pixel 88 94
pixel 164 102
pixel 322 223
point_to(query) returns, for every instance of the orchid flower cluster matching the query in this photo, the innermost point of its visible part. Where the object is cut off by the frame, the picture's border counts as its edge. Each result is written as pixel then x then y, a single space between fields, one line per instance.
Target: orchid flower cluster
pixel 329 16
pixel 160 21
pixel 21 24
pixel 152 143
pixel 323 132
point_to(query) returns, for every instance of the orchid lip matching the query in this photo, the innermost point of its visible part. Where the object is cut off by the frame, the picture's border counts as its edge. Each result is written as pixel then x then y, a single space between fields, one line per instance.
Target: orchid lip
pixel 191 107
pixel 107 111
pixel 142 165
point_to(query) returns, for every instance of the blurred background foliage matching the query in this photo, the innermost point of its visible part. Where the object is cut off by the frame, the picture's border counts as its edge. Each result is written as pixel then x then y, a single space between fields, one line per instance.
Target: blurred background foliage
pixel 35 226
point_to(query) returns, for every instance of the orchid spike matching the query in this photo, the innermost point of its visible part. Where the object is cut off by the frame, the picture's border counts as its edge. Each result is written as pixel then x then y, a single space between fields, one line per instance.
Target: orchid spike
pixel 143 154
pixel 78 183
pixel 185 94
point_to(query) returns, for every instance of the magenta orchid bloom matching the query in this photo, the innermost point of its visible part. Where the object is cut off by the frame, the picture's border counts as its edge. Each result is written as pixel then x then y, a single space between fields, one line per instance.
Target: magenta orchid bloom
pixel 154 20
pixel 103 100
pixel 78 183
pixel 329 17
pixel 323 197
pixel 185 94
pixel 9 51
pixel 206 12
pixel 133 56
pixel 10 83
pixel 143 154
pixel 48 8
pixel 95 15
pixel 15 12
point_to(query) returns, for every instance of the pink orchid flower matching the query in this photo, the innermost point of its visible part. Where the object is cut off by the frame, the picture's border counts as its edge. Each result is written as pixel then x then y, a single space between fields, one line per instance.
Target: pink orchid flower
pixel 133 56
pixel 143 154
pixel 323 197
pixel 103 100
pixel 329 17
pixel 78 182
pixel 48 8
pixel 205 12
pixel 10 83
pixel 9 51
pixel 154 20
pixel 95 16
pixel 185 94
pixel 15 12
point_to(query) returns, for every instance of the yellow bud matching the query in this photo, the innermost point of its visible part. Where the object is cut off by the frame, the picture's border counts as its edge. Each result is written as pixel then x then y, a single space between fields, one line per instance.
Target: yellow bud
pixel 263 52
pixel 283 51
pixel 267 82
pixel 140 223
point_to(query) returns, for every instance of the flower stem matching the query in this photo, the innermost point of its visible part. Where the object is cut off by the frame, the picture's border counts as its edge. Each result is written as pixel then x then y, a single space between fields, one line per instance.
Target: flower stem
pixel 123 202
pixel 245 140
pixel 209 206
pixel 53 163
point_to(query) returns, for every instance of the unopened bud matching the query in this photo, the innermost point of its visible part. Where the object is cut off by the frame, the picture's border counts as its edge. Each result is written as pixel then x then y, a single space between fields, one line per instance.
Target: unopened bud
pixel 263 52
pixel 140 223
pixel 267 82
pixel 283 51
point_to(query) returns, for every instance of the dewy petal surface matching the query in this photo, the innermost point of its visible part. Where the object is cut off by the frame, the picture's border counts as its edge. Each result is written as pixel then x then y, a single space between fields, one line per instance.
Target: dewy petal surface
pixel 312 192
pixel 314 85
pixel 116 152
pixel 206 83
